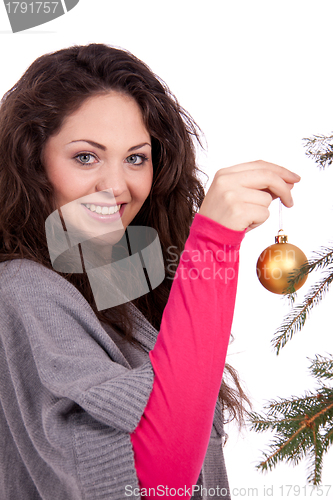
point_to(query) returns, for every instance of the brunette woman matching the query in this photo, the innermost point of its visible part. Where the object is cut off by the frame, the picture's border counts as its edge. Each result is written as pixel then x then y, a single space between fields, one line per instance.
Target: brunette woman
pixel 109 403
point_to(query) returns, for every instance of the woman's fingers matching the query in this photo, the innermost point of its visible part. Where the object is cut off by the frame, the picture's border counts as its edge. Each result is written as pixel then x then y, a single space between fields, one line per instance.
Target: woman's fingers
pixel 270 181
pixel 284 173
pixel 253 196
pixel 239 196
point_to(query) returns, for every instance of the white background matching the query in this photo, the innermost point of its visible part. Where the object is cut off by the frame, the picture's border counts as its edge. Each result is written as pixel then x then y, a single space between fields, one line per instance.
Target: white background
pixel 257 77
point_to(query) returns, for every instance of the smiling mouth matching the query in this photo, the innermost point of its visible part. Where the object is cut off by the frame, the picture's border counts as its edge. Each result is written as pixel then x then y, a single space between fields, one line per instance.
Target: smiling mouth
pixel 102 210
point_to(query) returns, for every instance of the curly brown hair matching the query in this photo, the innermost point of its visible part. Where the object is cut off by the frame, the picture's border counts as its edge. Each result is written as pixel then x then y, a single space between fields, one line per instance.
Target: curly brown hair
pixel 52 88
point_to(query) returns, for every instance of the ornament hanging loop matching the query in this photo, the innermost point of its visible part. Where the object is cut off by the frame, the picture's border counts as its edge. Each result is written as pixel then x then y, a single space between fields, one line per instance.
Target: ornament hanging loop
pixel 281 237
pixel 280 216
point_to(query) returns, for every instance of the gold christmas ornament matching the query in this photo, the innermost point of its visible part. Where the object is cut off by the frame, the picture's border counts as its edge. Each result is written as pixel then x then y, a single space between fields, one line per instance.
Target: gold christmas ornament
pixel 277 262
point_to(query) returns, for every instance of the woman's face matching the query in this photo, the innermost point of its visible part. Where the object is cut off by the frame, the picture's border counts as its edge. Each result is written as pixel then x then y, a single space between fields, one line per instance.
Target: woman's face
pixel 100 163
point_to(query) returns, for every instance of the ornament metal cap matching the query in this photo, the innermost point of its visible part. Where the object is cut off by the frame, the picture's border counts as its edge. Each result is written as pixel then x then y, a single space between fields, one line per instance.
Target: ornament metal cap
pixel 281 238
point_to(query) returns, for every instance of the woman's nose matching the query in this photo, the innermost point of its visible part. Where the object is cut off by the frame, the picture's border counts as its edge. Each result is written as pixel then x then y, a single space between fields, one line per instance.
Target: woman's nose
pixel 112 177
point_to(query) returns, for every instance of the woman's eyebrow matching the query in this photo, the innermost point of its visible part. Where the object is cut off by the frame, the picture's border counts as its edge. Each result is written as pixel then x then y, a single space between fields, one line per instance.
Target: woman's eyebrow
pixel 139 146
pixel 92 143
pixel 100 146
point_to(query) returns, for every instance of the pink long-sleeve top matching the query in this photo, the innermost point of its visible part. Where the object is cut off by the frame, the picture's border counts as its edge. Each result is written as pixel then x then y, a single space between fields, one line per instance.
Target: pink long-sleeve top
pixel 188 359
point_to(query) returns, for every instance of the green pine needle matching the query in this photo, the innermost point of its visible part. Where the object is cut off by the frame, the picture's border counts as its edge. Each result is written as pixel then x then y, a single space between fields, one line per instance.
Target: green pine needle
pixel 295 320
pixel 322 367
pixel 303 430
pixel 320 148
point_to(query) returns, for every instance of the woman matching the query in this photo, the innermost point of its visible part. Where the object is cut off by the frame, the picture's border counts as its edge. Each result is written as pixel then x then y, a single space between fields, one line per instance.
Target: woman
pixel 92 405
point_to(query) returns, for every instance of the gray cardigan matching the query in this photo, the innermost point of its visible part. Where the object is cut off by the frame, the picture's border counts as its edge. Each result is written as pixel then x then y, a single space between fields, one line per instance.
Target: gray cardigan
pixel 71 393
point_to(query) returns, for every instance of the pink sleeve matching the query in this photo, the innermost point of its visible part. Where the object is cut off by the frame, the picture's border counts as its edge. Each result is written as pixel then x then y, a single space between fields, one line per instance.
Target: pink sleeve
pixel 188 359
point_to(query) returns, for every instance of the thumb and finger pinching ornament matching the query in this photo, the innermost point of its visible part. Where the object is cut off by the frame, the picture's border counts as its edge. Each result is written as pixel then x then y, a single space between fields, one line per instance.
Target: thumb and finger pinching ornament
pixel 277 262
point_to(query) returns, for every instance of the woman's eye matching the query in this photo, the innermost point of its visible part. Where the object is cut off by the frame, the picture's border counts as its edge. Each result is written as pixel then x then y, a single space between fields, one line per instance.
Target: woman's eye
pixel 85 158
pixel 136 159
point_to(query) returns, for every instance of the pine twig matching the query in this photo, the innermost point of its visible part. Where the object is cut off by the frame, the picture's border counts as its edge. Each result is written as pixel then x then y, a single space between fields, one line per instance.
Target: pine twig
pixel 296 319
pixel 291 406
pixel 324 258
pixel 322 367
pixel 327 440
pixel 300 436
pixel 320 148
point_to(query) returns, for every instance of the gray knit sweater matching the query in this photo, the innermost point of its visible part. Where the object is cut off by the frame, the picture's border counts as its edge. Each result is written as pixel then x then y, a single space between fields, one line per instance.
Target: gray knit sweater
pixel 71 394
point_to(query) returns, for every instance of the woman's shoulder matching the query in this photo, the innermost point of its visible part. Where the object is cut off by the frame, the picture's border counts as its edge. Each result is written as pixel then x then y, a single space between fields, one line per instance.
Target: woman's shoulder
pixel 11 267
pixel 29 280
pixel 25 272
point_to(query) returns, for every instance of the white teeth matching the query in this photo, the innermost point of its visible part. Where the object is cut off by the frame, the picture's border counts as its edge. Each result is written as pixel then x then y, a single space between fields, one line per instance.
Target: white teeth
pixel 103 210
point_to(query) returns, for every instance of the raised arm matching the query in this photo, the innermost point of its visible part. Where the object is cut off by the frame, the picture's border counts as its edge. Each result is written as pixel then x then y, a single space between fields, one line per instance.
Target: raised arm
pixel 171 439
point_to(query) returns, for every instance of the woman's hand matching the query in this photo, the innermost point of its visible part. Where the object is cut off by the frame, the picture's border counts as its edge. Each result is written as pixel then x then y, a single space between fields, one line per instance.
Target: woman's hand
pixel 239 196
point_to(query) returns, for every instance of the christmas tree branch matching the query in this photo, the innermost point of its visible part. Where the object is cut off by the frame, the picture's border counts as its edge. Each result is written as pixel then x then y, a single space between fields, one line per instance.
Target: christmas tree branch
pixel 320 148
pixel 316 465
pixel 303 425
pixel 327 439
pixel 299 436
pixel 272 459
pixel 295 320
pixel 291 406
pixel 322 367
pixel 324 258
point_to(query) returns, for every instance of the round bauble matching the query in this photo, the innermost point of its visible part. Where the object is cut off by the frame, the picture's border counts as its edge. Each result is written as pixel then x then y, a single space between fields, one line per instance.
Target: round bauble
pixel 276 264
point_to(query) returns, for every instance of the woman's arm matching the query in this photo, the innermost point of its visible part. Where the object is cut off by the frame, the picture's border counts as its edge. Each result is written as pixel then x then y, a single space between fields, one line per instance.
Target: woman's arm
pixel 171 439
